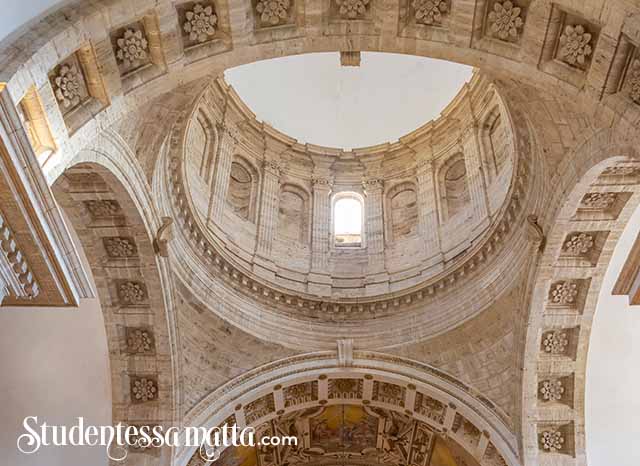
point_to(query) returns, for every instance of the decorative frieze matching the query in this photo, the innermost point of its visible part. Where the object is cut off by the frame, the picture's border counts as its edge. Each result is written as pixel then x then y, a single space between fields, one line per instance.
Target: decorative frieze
pixel 430 407
pixel 15 272
pixel 389 393
pixel 345 389
pixel 143 389
pixel 301 393
pixel 633 81
pixel 120 247
pixel 259 408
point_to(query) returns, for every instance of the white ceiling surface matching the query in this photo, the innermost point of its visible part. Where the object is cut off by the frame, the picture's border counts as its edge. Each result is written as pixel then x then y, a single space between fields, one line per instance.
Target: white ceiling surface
pixel 315 100
pixel 15 13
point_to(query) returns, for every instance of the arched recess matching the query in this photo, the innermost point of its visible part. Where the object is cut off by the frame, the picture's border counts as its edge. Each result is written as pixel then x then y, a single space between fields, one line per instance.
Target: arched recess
pixel 103 194
pixel 243 188
pixel 294 212
pixel 378 384
pixel 495 143
pixel 454 188
pixel 401 210
pixel 201 147
pixel 604 192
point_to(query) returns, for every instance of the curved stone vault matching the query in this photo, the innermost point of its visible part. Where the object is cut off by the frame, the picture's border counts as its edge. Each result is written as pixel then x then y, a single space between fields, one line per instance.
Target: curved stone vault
pixel 460 318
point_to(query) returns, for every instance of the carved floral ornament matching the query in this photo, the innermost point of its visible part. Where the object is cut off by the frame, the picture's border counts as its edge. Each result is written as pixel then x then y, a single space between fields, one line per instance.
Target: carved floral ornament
pixel 634 81
pixel 200 23
pixel 352 9
pixel 505 20
pixel 68 86
pixel 273 12
pixel 429 12
pixel 144 389
pixel 132 292
pixel 578 244
pixel 103 208
pixel 139 341
pixel 599 200
pixel 551 440
pixel 132 47
pixel 552 390
pixel 555 342
pixel 575 45
pixel 564 293
pixel 120 247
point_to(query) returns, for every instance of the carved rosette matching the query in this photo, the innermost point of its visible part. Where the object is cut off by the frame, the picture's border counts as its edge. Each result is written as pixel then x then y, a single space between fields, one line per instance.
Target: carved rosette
pixel 598 200
pixel 140 340
pixel 564 293
pixel 578 244
pixel 552 390
pixel 132 48
pixel 551 440
pixel 429 12
pixel 353 9
pixel 120 247
pixel 132 292
pixel 273 12
pixel 555 342
pixel 575 45
pixel 68 86
pixel 103 208
pixel 143 389
pixel 505 21
pixel 200 23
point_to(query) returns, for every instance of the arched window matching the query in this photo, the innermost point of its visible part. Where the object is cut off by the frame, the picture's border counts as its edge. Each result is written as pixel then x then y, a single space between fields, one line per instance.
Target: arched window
pixel 348 215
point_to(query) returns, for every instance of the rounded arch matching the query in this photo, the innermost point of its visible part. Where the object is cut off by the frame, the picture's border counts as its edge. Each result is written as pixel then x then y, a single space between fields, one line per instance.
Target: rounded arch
pixel 401 210
pixel 348 220
pixel 242 191
pixel 454 187
pixel 603 193
pixel 432 397
pixel 294 213
pixel 104 194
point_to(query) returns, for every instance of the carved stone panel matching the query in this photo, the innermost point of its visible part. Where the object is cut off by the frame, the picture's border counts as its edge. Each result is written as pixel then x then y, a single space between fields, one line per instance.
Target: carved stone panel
pixel 259 408
pixel 120 247
pixel 567 295
pixel 143 389
pixel 300 393
pixel 430 407
pixel 345 388
pixel 389 393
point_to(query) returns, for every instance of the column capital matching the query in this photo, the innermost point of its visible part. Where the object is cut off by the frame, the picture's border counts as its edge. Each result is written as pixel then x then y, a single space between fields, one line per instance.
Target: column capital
pixel 321 182
pixel 372 184
pixel 272 167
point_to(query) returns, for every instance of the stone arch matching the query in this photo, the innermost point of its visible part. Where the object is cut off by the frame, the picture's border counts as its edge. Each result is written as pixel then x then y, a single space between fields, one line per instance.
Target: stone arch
pixel 454 188
pixel 438 401
pixel 294 213
pixel 401 209
pixel 103 195
pixel 603 194
pixel 242 190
